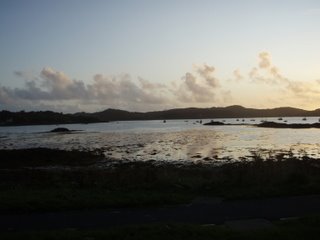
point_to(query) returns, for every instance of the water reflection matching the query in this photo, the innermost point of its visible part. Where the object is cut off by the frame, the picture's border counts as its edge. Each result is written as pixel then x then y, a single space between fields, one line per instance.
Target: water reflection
pixel 180 141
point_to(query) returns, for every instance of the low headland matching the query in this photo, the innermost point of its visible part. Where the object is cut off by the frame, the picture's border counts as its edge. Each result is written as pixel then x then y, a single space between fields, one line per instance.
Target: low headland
pixel 267 124
pixel 8 118
pixel 287 125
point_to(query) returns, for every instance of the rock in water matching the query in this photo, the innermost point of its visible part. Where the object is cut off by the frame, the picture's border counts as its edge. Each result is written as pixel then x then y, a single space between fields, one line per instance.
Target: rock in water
pixel 212 123
pixel 60 130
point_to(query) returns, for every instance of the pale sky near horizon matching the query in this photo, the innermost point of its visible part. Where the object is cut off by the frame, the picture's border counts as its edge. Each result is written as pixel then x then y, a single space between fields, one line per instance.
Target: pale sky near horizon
pixel 77 55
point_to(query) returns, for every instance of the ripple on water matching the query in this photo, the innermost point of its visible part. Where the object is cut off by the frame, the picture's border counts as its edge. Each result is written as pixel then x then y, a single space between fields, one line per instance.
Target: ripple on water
pixel 206 145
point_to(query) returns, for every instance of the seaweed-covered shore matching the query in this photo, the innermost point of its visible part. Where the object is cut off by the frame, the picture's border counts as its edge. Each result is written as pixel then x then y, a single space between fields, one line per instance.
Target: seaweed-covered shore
pixel 49 180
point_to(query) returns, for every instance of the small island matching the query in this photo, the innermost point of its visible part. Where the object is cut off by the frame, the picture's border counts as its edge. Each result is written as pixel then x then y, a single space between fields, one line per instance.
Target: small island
pixel 214 123
pixel 60 129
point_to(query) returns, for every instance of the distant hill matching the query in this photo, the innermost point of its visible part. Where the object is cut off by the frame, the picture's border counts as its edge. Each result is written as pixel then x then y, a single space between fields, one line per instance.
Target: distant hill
pixel 202 113
pixel 8 118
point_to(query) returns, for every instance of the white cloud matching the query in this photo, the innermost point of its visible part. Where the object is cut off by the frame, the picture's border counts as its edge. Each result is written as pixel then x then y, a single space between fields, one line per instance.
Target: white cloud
pixel 292 91
pixel 264 60
pixel 197 91
pixel 147 85
pixel 197 88
pixel 266 72
pixel 206 72
pixel 52 87
pixel 122 90
pixel 237 75
pixel 55 88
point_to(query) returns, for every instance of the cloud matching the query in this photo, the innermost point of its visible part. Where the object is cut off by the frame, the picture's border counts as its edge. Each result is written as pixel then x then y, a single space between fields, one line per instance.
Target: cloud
pixel 147 85
pixel 31 92
pixel 55 79
pixel 55 85
pixel 270 74
pixel 60 86
pixel 306 93
pixel 275 73
pixel 49 85
pixel 5 96
pixel 52 87
pixel 264 60
pixel 253 73
pixel 122 90
pixel 303 89
pixel 296 87
pixel 206 72
pixel 198 87
pixel 237 75
pixel 198 92
pixel 266 72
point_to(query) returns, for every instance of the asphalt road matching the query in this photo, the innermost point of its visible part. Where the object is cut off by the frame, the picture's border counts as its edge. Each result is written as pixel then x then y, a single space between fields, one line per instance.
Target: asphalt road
pixel 201 211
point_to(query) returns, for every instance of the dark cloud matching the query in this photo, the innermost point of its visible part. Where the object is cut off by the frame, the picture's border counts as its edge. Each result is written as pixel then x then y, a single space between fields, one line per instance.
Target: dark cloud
pixel 5 96
pixel 31 92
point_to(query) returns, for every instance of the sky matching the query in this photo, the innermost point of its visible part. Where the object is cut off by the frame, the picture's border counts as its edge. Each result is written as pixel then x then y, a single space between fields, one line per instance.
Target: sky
pixel 146 55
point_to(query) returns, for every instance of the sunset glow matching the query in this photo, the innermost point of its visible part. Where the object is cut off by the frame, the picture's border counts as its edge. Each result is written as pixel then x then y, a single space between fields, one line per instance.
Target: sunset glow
pixel 74 56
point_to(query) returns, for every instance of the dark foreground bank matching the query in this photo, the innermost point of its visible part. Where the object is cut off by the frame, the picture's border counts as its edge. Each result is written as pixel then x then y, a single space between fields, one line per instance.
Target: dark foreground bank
pixel 303 228
pixel 201 211
pixel 40 180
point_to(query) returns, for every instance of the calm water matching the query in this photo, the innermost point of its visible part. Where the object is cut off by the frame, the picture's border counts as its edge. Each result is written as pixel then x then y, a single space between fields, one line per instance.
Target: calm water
pixel 175 140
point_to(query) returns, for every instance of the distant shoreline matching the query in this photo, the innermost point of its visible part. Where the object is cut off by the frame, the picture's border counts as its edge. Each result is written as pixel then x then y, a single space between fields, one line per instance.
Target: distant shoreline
pixel 21 118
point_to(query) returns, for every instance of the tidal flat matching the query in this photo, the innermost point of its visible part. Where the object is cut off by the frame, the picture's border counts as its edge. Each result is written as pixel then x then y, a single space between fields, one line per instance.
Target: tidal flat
pixel 179 141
